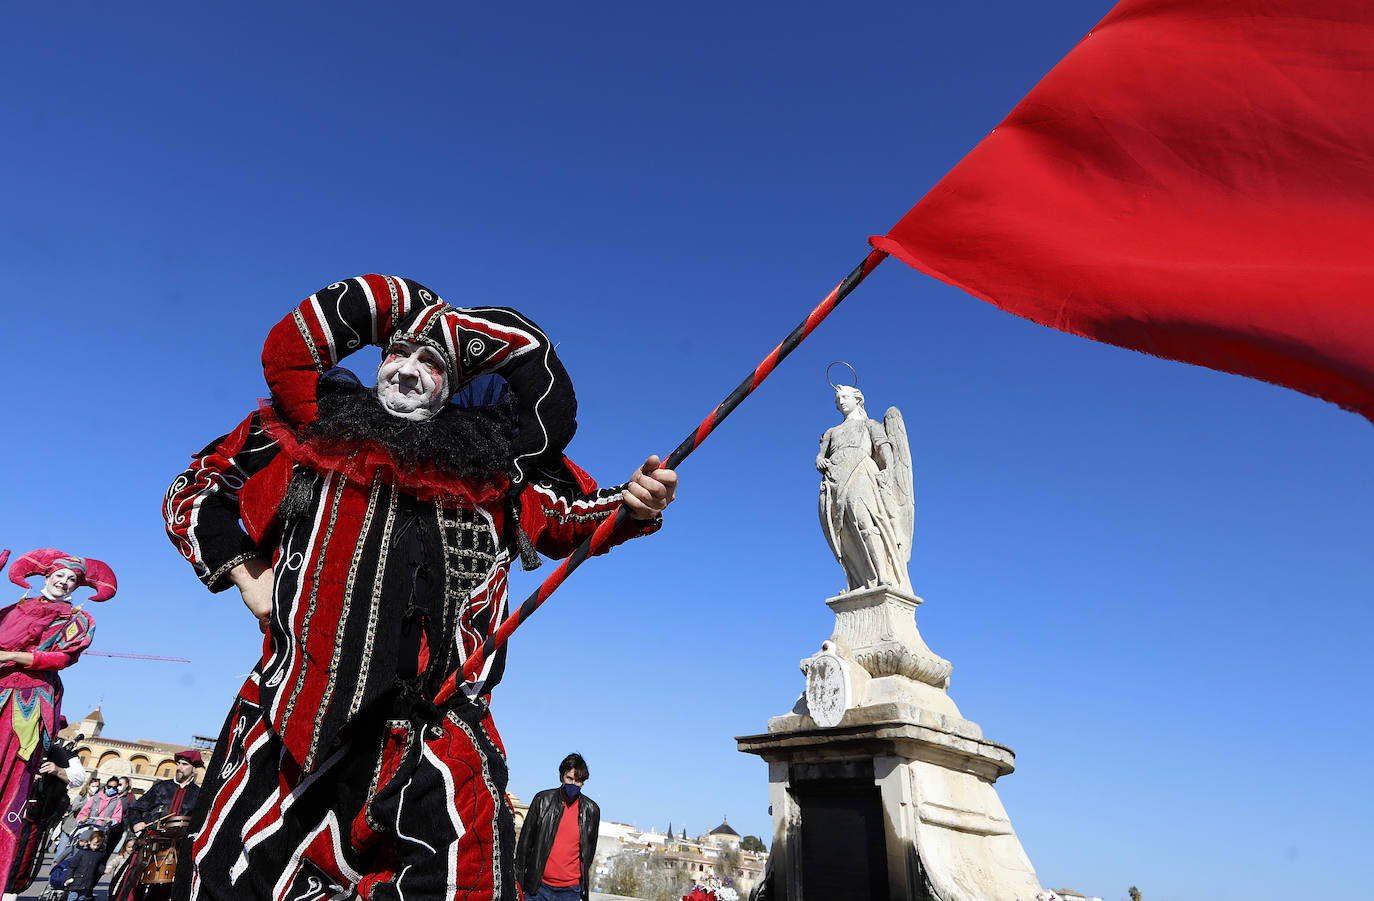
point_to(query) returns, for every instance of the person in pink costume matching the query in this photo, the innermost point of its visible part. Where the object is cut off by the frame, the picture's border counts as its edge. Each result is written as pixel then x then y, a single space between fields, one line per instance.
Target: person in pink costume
pixel 38 637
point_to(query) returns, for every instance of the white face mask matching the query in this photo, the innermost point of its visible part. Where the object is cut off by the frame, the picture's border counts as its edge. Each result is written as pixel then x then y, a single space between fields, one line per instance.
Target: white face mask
pixel 411 382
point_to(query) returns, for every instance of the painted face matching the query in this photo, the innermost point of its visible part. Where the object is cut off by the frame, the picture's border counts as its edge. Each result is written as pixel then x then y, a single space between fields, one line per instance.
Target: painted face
pixel 60 583
pixel 411 382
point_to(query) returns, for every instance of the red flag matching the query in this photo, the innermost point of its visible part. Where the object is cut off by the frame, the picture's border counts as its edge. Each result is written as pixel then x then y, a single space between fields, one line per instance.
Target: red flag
pixel 1195 181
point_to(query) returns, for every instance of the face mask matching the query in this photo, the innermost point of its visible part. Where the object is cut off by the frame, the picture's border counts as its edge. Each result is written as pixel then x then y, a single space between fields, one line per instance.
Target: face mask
pixel 571 791
pixel 112 791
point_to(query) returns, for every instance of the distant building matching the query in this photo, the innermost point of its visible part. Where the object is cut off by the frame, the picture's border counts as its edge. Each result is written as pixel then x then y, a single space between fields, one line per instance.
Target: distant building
pixel 723 836
pixel 143 761
pixel 716 853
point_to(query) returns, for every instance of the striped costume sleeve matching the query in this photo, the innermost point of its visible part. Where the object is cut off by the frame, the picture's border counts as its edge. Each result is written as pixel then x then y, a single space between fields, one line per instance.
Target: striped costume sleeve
pixel 558 519
pixel 201 507
pixel 328 326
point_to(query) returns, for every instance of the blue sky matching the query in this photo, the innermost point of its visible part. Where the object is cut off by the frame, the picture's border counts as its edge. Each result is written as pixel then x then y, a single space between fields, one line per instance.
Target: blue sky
pixel 1152 579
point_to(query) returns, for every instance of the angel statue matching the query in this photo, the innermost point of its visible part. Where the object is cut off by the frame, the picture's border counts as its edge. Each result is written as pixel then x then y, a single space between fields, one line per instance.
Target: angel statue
pixel 867 505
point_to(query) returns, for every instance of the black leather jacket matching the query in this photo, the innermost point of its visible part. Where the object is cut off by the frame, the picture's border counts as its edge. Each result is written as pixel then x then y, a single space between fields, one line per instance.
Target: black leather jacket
pixel 536 838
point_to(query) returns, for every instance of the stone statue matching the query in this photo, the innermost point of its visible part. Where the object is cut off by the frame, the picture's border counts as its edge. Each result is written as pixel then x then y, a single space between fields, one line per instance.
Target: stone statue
pixel 867 505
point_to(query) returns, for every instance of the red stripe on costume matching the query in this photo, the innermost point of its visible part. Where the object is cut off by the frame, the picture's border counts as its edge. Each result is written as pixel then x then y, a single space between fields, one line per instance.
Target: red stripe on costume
pixel 326 573
pixel 208 471
pixel 393 753
pixel 387 313
pixel 320 851
pixel 424 319
pixel 474 803
pixel 222 798
pixel 319 335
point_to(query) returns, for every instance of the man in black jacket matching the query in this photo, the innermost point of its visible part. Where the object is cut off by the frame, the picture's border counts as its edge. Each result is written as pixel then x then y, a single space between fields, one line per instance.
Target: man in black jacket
pixel 166 798
pixel 553 858
pixel 169 796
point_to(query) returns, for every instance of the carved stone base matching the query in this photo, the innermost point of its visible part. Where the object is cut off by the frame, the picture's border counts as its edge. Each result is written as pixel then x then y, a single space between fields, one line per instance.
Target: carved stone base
pixel 876 628
pixel 944 832
pixel 879 786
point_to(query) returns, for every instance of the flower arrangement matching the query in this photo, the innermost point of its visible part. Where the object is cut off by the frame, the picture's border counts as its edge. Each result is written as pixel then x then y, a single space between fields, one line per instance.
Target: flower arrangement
pixel 712 888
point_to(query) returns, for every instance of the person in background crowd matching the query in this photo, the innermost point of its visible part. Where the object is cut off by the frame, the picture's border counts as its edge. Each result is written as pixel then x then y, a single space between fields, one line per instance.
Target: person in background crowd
pixel 86 868
pixel 92 788
pixel 558 841
pixel 169 797
pixel 101 811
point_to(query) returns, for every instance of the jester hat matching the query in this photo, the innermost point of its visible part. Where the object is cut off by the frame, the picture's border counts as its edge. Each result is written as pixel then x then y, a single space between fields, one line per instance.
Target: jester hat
pixel 472 341
pixel 46 561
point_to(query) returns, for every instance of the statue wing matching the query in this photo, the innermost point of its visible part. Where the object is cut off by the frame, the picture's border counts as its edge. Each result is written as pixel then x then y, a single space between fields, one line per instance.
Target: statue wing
pixel 903 490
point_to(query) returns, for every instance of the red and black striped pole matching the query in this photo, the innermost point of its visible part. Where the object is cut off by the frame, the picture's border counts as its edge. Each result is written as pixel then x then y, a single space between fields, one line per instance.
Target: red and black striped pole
pixel 602 536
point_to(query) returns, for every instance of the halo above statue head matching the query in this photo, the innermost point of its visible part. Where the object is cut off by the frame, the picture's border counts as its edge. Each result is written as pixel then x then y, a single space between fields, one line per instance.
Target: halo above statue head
pixel 847 366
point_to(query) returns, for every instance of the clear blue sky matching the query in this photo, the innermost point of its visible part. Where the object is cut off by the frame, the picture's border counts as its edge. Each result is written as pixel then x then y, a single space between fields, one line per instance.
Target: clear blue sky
pixel 1153 580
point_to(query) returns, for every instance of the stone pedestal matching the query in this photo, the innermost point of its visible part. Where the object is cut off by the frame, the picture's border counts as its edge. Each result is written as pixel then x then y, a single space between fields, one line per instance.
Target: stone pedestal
pixel 879 787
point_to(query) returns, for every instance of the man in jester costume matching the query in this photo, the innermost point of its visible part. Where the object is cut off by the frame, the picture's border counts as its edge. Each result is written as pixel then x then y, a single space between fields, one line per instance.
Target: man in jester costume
pixel 370 530
pixel 38 637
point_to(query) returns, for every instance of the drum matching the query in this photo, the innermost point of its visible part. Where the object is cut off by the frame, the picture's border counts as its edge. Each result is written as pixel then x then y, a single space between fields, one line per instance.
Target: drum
pixel 156 850
pixel 158 864
pixel 171 828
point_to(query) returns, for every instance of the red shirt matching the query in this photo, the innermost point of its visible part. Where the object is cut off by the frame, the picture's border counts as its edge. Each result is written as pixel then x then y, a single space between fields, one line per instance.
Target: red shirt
pixel 564 866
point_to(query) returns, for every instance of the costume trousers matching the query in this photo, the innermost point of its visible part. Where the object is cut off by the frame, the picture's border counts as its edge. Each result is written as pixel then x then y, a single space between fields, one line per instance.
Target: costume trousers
pixel 16 781
pixel 400 810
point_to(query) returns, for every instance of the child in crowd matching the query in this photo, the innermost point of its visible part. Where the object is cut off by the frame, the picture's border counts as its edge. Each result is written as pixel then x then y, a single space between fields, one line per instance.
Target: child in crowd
pixel 85 869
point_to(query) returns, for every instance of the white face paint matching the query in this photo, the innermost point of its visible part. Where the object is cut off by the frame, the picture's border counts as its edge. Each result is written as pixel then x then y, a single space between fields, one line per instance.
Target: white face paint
pixel 411 382
pixel 60 583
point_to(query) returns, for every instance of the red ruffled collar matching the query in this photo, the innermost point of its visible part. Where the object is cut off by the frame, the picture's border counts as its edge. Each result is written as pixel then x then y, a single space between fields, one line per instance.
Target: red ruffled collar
pixel 363 462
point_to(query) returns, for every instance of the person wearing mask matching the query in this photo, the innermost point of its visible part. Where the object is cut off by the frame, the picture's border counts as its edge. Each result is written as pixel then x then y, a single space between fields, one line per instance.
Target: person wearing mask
pixel 553 857
pixel 91 788
pixel 101 811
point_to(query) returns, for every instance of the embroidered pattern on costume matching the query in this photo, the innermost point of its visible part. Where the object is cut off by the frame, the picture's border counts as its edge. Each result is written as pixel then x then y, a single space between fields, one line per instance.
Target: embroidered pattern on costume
pixel 305 626
pixel 370 637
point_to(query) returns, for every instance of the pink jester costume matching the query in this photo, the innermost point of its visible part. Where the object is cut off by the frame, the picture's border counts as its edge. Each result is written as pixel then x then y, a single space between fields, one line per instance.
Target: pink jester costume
pixel 336 776
pixel 54 633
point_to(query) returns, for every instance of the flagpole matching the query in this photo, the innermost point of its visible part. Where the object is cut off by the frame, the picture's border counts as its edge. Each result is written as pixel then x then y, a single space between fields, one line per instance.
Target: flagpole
pixel 599 539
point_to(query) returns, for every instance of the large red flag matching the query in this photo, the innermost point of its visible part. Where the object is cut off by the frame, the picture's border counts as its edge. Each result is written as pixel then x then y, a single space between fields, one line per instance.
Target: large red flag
pixel 1195 181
